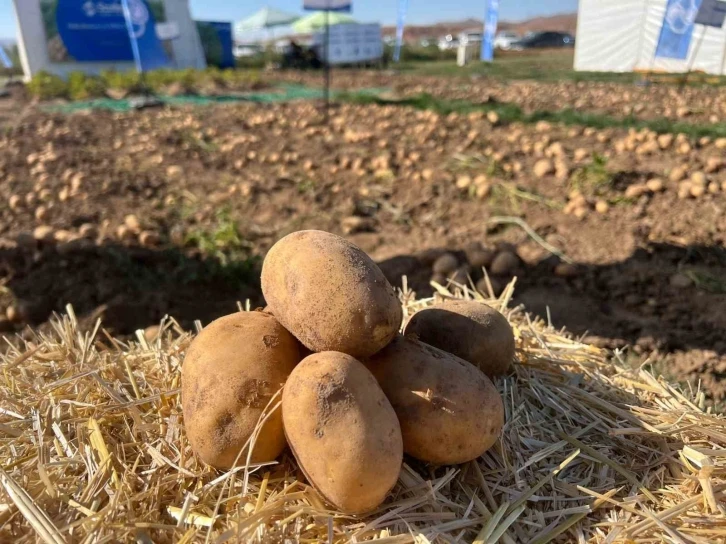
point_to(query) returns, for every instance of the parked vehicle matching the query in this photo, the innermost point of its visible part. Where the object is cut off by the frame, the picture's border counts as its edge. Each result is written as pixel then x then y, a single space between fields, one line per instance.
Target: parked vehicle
pixel 244 50
pixel 504 40
pixel 544 39
pixel 470 37
pixel 448 42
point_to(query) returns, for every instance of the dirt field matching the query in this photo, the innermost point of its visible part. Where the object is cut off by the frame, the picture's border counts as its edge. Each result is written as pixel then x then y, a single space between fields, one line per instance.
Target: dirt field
pixel 132 216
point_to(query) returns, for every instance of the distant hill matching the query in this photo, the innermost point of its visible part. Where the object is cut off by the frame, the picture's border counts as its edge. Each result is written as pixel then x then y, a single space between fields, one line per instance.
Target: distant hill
pixel 565 22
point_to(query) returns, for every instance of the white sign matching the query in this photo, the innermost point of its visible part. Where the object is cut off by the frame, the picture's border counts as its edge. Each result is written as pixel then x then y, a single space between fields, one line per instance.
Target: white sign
pixel 327 5
pixel 351 43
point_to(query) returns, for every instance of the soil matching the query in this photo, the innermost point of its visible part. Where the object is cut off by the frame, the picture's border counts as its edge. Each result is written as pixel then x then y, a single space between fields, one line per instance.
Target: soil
pixel 133 216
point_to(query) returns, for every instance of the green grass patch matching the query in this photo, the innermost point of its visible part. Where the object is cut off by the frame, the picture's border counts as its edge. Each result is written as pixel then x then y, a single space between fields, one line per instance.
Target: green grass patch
pixel 509 113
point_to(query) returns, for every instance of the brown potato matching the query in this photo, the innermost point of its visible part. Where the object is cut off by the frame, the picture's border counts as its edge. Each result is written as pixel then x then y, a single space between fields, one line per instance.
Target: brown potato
pixel 342 431
pixel 470 330
pixel 231 372
pixel 449 411
pixel 330 294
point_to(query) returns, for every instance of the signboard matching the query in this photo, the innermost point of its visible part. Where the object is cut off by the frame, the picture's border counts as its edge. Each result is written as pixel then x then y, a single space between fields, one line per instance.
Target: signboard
pixel 677 30
pixel 712 13
pixel 352 43
pixel 96 30
pixel 217 42
pixel 490 30
pixel 327 5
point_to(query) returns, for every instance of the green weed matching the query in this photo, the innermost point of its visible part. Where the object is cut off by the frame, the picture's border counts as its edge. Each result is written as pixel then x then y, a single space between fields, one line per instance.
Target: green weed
pixel 593 178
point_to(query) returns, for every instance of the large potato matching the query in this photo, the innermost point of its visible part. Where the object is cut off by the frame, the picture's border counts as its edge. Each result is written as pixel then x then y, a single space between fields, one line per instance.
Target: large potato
pixel 330 294
pixel 230 373
pixel 342 431
pixel 470 330
pixel 449 411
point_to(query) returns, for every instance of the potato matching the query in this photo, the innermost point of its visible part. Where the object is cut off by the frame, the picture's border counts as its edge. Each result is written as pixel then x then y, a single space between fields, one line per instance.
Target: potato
pixel 330 294
pixel 449 411
pixel 470 330
pixel 230 373
pixel 342 431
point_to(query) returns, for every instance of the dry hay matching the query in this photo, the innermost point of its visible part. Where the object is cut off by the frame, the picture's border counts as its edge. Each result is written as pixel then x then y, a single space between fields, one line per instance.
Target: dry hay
pixel 93 450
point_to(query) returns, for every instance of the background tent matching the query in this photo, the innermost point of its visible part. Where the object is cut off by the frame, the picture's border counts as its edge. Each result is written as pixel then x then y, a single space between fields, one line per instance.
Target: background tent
pixel 265 19
pixel 317 21
pixel 624 36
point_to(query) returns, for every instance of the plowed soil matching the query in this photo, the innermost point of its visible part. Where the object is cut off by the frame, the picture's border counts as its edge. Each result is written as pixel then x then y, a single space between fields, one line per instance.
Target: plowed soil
pixel 133 216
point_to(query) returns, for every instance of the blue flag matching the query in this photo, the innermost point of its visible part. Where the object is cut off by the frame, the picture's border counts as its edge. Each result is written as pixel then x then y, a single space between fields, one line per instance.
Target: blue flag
pixel 677 30
pixel 148 51
pixel 400 25
pixel 5 59
pixel 490 30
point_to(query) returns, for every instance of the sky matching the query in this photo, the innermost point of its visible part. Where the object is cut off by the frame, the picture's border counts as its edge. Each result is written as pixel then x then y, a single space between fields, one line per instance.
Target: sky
pixel 384 11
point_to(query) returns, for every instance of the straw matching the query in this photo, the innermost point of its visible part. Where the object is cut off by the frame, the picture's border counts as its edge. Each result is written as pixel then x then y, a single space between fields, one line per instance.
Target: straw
pixel 93 449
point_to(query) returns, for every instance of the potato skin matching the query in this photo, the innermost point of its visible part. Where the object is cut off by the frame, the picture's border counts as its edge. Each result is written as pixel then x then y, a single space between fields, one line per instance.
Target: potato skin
pixel 231 371
pixel 449 411
pixel 342 431
pixel 470 330
pixel 330 294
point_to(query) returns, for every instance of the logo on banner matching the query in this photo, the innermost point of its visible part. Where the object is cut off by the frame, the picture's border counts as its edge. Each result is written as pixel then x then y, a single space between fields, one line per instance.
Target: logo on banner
pixel 139 17
pixel 681 15
pixel 677 29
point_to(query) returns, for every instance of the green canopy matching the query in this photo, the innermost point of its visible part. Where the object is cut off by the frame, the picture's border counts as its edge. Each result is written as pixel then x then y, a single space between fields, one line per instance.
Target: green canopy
pixel 265 19
pixel 316 21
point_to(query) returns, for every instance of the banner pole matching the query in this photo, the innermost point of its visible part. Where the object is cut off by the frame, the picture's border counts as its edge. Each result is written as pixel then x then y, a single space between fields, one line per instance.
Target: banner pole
pixel 692 60
pixel 400 26
pixel 327 64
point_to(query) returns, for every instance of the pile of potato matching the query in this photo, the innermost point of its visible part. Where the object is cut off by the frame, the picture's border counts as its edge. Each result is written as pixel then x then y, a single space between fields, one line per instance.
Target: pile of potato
pixel 356 394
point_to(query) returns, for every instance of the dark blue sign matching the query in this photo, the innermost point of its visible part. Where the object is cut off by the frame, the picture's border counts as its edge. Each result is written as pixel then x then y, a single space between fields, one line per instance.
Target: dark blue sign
pixel 712 13
pixel 490 30
pixel 677 30
pixel 110 31
pixel 217 42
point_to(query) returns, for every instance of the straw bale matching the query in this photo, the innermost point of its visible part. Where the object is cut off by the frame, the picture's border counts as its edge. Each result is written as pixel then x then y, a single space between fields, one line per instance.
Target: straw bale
pixel 92 449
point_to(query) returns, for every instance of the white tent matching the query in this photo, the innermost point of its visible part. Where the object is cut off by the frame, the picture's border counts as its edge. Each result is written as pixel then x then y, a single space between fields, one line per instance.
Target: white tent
pixel 623 36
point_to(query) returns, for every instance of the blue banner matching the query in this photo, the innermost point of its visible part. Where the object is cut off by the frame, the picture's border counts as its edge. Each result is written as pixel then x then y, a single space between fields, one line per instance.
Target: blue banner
pixel 148 51
pixel 400 25
pixel 217 42
pixel 490 30
pixel 5 59
pixel 677 30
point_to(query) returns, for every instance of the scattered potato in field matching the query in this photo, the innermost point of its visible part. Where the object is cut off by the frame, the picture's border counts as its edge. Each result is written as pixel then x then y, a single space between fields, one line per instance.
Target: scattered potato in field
pixel 449 411
pixel 655 185
pixel 132 223
pixel 15 202
pixel 601 206
pixel 343 431
pixel 543 167
pixel 505 264
pixel 87 230
pixel 330 294
pixel 44 233
pixel 698 178
pixel 231 372
pixel 636 190
pixel 697 190
pixel 678 173
pixel 714 188
pixel 446 264
pixel 470 330
pixel 149 238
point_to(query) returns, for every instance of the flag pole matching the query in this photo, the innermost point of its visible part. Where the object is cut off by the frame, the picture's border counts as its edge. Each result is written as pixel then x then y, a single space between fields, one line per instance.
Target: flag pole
pixel 327 62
